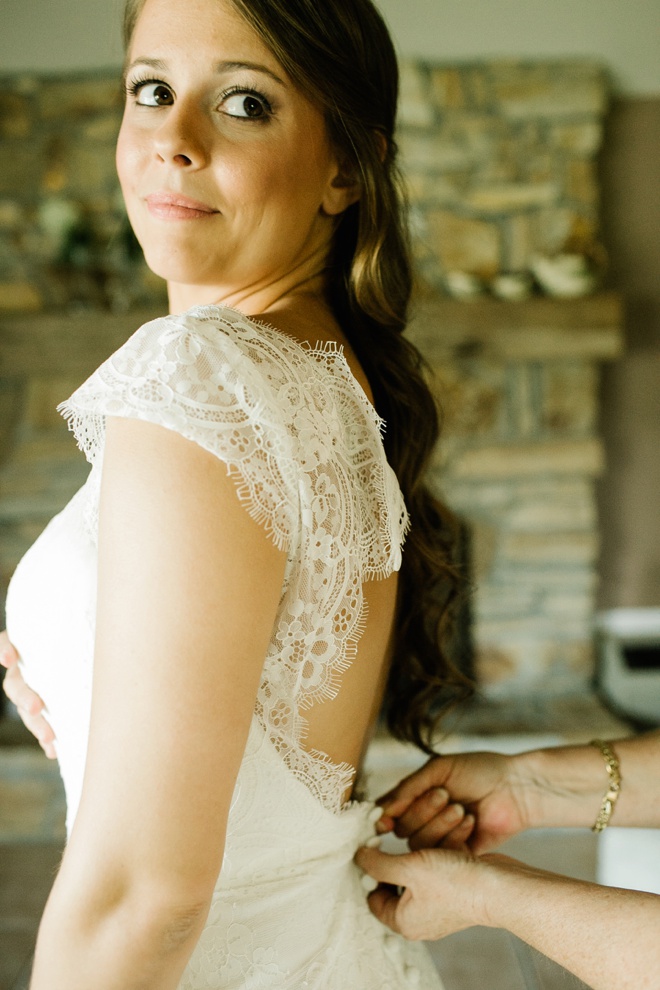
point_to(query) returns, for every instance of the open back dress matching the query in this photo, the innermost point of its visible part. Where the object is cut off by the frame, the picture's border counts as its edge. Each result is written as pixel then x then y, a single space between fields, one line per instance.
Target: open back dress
pixel 304 446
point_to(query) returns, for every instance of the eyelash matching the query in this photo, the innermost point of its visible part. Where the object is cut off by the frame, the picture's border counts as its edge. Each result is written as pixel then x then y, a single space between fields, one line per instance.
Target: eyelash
pixel 133 89
pixel 245 91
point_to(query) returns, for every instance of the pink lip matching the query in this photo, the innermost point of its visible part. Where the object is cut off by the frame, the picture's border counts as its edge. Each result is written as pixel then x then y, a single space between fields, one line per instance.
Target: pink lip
pixel 173 206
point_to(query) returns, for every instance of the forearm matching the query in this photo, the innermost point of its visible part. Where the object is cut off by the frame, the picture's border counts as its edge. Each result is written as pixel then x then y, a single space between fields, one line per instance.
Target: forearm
pixel 564 786
pixel 609 938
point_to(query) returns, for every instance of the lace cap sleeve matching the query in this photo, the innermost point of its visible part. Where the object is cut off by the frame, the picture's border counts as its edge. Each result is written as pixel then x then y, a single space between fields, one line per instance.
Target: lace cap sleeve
pixel 199 378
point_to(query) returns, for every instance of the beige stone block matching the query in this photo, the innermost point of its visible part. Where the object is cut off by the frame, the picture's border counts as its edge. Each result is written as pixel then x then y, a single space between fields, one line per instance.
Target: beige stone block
pixel 447 91
pixel 580 457
pixel 526 628
pixel 521 401
pixel 569 606
pixel 552 228
pixel 432 190
pixel 569 402
pixel 519 242
pixel 582 181
pixel 483 548
pixel 464 244
pixel 521 93
pixel 415 109
pixel 19 296
pixel 584 138
pixel 579 578
pixel 554 512
pixel 494 601
pixel 494 664
pixel 529 665
pixel 512 196
pixel 567 548
pixel 472 405
pixel 539 167
pixel 478 87
pixel 432 151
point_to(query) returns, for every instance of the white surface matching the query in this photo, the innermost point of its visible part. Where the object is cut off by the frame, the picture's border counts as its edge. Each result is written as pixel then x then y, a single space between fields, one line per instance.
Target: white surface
pixel 61 35
pixel 624 36
pixel 630 857
pixel 630 622
pixel 633 691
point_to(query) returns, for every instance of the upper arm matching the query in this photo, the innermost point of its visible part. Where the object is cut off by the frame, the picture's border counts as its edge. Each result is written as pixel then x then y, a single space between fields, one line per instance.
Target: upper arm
pixel 188 590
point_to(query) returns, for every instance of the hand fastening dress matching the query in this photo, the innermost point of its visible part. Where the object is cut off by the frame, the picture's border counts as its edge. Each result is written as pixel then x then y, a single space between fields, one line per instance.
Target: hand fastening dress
pixel 304 445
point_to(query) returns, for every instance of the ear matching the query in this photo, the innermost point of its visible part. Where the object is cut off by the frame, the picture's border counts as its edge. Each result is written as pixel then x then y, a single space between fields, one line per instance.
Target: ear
pixel 343 190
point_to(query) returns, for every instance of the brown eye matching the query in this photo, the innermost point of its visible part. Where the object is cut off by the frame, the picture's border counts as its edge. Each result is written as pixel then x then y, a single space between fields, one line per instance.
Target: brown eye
pixel 248 106
pixel 154 95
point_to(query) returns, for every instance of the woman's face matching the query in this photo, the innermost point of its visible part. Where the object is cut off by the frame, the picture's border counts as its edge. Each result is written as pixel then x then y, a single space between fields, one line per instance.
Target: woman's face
pixel 228 175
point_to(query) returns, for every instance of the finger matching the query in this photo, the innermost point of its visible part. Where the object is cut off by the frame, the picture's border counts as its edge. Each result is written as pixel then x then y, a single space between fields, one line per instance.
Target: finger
pixel 458 837
pixel 8 653
pixel 432 775
pixel 383 902
pixel 383 867
pixel 422 811
pixel 22 696
pixel 39 727
pixel 435 831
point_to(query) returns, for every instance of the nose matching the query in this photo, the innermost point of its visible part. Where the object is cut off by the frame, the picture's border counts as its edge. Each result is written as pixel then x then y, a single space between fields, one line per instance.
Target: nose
pixel 180 139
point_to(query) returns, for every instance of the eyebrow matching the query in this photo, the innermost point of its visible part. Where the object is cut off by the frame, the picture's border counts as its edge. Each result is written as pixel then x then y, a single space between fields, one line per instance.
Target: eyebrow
pixel 220 67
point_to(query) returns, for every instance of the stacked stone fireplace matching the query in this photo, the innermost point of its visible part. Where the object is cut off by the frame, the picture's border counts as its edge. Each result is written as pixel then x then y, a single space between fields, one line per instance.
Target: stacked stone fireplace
pixel 500 163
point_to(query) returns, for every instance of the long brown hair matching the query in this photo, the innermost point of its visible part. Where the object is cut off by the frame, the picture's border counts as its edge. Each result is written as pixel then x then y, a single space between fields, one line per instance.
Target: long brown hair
pixel 340 54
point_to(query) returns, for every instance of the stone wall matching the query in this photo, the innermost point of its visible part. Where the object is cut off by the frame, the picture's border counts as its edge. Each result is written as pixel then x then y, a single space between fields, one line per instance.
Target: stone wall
pixel 500 160
pixel 520 453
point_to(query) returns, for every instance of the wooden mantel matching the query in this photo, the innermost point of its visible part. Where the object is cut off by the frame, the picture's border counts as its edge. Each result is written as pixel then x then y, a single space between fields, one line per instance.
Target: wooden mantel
pixel 538 328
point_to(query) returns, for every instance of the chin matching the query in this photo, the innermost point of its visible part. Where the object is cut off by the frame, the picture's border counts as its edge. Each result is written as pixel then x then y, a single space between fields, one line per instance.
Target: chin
pixel 183 268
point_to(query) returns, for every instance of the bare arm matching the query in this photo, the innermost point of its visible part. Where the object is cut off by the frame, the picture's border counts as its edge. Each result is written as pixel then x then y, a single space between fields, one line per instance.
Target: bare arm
pixel 609 938
pixel 555 787
pixel 188 591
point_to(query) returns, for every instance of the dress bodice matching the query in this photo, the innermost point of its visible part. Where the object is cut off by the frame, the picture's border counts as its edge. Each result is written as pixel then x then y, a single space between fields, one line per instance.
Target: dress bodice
pixel 304 447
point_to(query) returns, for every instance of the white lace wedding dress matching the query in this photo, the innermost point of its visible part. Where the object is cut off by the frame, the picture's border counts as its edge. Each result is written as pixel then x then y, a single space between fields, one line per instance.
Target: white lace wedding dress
pixel 304 445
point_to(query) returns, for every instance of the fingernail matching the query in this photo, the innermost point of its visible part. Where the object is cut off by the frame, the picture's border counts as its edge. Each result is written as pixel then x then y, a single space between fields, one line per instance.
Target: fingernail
pixel 368 883
pixel 374 842
pixel 455 811
pixel 440 795
pixel 375 814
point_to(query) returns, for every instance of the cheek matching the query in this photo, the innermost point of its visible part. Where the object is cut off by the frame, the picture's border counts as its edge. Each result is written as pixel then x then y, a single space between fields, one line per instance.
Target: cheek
pixel 127 160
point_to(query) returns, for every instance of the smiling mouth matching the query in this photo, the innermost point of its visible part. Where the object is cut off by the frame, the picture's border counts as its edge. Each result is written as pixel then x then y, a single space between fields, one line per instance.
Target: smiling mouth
pixel 172 206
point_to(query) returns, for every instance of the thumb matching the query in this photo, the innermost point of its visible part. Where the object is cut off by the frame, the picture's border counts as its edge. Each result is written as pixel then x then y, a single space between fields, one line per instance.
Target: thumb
pixel 384 867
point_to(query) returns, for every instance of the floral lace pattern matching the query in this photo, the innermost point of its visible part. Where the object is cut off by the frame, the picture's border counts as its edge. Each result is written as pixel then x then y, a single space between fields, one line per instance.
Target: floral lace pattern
pixel 304 446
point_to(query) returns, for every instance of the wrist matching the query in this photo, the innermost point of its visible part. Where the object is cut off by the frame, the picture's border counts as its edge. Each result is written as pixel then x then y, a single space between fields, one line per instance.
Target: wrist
pixel 563 786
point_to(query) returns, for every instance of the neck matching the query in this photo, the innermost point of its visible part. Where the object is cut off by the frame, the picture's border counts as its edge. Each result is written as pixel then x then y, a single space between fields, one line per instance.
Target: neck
pixel 305 279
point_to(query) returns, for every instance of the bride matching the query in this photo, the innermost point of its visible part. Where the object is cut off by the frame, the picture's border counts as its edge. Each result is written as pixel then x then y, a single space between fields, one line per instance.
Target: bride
pixel 212 620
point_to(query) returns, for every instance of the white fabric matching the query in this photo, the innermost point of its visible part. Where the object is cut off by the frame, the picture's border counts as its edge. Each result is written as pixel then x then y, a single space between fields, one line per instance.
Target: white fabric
pixel 303 442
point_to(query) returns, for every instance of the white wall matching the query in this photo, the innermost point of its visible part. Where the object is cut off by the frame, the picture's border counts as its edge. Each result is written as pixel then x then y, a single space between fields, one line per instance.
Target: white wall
pixel 59 35
pixel 624 34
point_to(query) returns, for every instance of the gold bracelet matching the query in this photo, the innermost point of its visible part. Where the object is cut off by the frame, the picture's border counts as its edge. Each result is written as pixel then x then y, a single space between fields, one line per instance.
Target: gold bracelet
pixel 611 795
